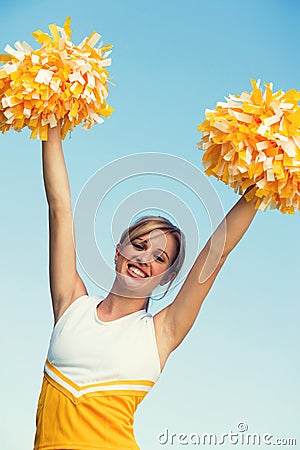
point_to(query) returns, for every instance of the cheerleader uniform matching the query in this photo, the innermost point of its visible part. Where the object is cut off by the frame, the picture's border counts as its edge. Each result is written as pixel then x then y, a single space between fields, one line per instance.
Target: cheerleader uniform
pixel 95 376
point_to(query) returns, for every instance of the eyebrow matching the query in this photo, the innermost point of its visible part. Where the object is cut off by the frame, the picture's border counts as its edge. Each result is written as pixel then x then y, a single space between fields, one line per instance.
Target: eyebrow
pixel 160 249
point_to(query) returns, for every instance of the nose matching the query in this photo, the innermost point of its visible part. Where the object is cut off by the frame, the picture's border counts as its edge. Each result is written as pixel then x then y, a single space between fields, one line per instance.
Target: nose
pixel 144 257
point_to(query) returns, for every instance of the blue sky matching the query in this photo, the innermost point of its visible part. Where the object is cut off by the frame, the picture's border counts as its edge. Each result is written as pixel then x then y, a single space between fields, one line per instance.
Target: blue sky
pixel 171 60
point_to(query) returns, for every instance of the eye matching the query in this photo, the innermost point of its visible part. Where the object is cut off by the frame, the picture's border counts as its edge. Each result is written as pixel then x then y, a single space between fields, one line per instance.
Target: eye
pixel 159 258
pixel 137 246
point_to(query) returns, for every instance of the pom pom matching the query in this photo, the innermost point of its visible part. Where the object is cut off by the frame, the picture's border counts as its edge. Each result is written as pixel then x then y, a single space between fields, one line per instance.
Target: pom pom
pixel 59 81
pixel 253 139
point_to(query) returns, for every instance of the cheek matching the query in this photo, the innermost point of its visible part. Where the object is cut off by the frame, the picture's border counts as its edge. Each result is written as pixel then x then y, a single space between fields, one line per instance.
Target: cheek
pixel 126 253
pixel 158 270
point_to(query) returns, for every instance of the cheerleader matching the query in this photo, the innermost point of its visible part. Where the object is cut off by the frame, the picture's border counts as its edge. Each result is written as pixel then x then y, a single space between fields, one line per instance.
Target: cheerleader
pixel 105 354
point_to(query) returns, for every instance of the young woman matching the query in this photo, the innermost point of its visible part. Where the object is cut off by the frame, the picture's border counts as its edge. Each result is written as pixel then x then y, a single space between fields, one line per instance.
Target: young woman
pixel 106 354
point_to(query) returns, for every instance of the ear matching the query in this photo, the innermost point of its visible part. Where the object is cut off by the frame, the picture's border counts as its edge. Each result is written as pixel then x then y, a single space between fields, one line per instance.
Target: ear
pixel 170 276
pixel 117 253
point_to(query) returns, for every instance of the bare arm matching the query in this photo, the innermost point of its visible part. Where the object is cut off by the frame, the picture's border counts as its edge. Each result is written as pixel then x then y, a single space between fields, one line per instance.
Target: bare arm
pixel 174 322
pixel 65 283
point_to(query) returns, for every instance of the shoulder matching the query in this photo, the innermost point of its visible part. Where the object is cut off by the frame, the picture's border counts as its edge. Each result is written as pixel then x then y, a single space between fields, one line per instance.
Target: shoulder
pixel 78 305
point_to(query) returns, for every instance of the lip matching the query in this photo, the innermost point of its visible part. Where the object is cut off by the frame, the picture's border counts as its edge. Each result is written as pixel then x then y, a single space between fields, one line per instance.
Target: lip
pixel 134 275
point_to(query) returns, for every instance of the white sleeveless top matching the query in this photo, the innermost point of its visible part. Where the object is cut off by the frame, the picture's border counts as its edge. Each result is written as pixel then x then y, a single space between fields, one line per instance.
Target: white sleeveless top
pixel 96 374
pixel 87 350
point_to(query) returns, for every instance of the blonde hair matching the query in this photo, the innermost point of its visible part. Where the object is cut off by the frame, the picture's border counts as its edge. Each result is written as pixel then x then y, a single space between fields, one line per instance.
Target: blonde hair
pixel 145 225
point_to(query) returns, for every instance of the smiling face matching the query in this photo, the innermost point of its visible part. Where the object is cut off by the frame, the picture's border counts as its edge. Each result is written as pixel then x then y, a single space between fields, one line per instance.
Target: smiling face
pixel 145 262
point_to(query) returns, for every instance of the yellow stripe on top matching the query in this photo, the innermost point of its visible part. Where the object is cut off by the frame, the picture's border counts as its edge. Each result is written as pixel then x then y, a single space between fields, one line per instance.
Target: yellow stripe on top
pixel 111 386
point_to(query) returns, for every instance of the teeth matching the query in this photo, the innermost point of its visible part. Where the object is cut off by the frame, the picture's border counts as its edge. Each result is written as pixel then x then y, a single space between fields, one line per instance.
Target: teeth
pixel 137 271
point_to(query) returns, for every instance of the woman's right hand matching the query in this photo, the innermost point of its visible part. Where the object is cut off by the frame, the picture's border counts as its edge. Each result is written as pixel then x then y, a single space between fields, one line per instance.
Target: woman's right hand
pixel 54 133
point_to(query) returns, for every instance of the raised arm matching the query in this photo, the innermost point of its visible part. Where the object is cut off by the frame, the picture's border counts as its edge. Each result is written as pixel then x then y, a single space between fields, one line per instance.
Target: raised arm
pixel 173 322
pixel 65 283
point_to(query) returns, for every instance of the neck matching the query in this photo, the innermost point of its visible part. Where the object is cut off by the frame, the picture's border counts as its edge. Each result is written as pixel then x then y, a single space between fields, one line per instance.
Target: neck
pixel 115 305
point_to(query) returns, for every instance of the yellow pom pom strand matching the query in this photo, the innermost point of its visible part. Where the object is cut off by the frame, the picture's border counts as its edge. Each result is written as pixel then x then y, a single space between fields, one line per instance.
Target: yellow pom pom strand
pixel 59 81
pixel 253 139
